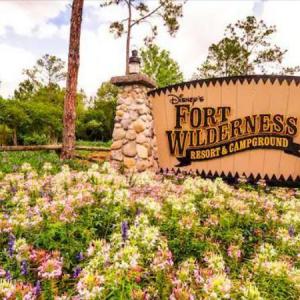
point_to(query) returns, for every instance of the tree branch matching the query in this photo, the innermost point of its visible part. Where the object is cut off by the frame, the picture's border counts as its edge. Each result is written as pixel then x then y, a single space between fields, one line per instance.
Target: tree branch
pixel 146 16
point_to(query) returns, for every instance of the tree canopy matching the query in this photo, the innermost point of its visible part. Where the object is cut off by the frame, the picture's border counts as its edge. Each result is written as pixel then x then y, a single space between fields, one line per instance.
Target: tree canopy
pixel 158 64
pixel 245 49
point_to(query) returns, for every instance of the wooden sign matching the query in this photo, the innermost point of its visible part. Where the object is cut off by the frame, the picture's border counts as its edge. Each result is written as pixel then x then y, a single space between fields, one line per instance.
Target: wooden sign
pixel 234 126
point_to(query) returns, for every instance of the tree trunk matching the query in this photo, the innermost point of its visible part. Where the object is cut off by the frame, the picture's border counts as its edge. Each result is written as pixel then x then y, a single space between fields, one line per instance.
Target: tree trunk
pixel 68 149
pixel 128 37
pixel 15 138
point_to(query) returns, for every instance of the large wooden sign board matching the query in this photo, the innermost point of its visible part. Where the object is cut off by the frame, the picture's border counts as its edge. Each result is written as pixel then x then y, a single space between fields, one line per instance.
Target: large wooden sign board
pixel 235 126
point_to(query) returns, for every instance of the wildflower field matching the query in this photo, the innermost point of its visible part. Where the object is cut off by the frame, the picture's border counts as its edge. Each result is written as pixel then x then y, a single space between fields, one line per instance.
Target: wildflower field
pixel 97 234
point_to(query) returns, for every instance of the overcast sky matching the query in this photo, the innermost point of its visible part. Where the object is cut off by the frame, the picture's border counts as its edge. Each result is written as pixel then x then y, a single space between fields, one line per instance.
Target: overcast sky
pixel 29 29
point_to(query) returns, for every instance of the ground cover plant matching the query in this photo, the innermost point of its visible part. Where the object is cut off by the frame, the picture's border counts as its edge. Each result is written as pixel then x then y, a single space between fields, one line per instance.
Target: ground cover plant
pixel 13 161
pixel 97 234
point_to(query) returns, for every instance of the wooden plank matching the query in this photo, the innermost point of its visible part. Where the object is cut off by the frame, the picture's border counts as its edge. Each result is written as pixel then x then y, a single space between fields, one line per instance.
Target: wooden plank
pixel 30 148
pixel 229 95
pixel 260 105
pixel 278 104
pixel 244 107
pixel 289 164
pixel 51 147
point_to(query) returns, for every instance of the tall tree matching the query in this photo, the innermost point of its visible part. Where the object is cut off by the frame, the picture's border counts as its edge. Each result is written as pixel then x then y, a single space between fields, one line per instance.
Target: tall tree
pixel 68 148
pixel 158 64
pixel 48 72
pixel 140 11
pixel 245 49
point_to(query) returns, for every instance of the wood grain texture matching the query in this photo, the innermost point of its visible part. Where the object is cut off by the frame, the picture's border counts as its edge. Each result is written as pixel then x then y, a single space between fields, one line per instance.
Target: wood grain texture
pixel 246 95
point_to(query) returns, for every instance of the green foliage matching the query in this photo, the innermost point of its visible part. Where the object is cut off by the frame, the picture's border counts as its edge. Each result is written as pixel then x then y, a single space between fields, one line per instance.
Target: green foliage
pixel 12 161
pixel 245 49
pixel 160 66
pixel 276 287
pixel 97 122
pixel 35 115
pixel 35 139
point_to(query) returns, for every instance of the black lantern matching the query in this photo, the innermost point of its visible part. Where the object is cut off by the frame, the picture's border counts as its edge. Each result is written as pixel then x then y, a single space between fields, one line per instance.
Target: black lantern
pixel 134 63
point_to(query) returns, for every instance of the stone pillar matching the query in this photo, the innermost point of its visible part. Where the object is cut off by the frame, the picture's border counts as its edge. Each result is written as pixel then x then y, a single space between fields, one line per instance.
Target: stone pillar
pixel 134 142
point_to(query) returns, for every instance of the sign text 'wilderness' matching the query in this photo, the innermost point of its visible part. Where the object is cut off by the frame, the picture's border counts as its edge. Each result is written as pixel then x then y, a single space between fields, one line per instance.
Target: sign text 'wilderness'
pixel 243 125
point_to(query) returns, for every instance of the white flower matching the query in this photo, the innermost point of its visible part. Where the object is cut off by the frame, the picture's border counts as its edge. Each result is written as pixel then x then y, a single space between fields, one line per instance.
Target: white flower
pixel 26 167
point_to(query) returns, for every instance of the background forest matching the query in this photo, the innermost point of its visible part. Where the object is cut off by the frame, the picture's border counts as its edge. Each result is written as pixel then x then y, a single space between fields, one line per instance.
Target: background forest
pixel 33 115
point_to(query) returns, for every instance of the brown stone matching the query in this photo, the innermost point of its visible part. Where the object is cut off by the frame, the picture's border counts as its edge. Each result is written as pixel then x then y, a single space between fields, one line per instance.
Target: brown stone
pixel 130 135
pixel 129 162
pixel 119 113
pixel 119 134
pixel 123 107
pixel 143 110
pixel 142 165
pixel 130 149
pixel 133 115
pixel 116 155
pixel 142 151
pixel 141 139
pixel 139 126
pixel 140 100
pixel 116 145
pixel 125 123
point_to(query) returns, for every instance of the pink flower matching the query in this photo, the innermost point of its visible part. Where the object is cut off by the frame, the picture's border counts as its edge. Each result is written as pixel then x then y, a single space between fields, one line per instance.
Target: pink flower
pixel 234 252
pixel 50 268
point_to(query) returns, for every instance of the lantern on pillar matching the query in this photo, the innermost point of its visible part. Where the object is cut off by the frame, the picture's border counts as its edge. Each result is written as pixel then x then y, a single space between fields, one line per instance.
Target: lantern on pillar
pixel 134 63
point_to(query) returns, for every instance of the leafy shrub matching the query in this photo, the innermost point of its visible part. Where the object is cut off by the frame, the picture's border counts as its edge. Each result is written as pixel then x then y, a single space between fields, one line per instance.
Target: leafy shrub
pixel 35 139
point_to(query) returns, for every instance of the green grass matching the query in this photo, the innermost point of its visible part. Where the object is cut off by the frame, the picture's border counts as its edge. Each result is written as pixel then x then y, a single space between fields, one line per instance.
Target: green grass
pixel 95 143
pixel 12 161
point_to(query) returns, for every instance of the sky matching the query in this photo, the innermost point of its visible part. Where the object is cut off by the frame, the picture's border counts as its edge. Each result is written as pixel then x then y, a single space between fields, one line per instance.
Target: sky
pixel 31 28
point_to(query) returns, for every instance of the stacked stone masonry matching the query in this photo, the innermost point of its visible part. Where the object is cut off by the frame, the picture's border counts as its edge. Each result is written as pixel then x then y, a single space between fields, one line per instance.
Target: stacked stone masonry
pixel 134 141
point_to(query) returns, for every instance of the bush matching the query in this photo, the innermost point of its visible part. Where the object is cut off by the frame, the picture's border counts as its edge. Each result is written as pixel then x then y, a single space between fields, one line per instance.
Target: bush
pixel 35 139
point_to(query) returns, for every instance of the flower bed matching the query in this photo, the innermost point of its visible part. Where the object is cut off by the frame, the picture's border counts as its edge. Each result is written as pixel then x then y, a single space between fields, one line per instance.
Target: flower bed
pixel 100 235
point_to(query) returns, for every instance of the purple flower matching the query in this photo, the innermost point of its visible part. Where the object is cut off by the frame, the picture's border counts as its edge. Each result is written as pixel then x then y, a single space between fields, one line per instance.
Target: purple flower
pixel 11 243
pixel 77 271
pixel 80 256
pixel 37 288
pixel 124 230
pixel 291 231
pixel 13 189
pixel 24 267
pixel 8 276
